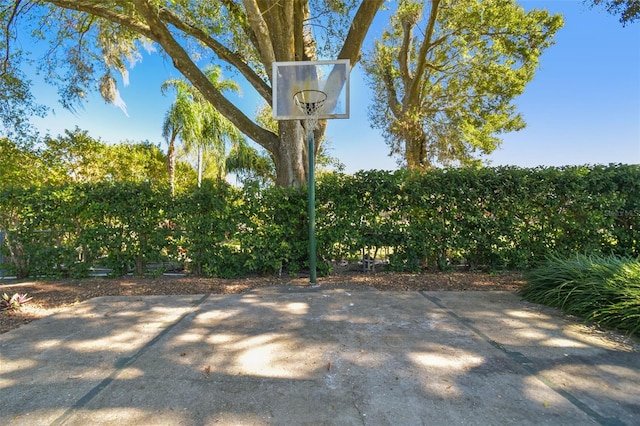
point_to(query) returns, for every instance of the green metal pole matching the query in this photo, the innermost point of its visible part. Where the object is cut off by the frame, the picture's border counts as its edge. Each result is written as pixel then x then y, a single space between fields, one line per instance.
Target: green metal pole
pixel 312 208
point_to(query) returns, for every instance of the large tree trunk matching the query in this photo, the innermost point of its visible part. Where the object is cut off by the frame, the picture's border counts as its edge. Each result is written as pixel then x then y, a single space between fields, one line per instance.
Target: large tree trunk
pixel 199 165
pixel 171 165
pixel 283 37
pixel 416 153
pixel 290 158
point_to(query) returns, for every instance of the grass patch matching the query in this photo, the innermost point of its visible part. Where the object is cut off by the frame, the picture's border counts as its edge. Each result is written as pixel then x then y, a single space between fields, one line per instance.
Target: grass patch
pixel 600 289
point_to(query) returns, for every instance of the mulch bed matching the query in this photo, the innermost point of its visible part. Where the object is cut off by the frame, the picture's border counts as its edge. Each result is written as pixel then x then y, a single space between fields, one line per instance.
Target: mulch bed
pixel 50 296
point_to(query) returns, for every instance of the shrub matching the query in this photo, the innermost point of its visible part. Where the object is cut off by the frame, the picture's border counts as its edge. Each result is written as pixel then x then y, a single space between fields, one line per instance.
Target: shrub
pixel 601 289
pixel 13 303
pixel 504 218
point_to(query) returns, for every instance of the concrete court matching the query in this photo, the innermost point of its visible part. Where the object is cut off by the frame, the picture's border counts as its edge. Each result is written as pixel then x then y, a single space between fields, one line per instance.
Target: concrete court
pixel 291 355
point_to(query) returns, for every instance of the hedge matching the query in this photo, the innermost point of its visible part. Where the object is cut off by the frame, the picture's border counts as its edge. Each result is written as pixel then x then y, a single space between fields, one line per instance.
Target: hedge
pixel 483 218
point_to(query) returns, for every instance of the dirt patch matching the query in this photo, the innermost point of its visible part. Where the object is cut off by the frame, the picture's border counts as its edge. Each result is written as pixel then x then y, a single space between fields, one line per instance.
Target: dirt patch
pixel 50 296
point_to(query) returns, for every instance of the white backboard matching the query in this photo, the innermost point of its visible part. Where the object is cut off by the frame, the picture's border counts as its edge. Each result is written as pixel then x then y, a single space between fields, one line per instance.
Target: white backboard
pixel 319 86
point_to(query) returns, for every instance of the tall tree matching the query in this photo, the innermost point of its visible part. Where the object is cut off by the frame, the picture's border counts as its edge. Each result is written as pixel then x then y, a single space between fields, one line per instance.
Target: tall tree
pixel 93 40
pixel 75 155
pixel 180 122
pixel 78 157
pixel 134 162
pixel 171 128
pixel 446 73
pixel 22 166
pixel 200 127
pixel 217 131
pixel 250 165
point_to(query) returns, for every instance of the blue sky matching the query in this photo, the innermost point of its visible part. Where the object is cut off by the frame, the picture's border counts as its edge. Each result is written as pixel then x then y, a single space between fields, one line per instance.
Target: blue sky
pixel 583 106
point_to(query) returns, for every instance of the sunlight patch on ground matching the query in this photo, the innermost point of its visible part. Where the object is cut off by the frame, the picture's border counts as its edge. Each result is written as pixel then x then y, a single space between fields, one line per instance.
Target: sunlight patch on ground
pixel 527 314
pixel 537 319
pixel 592 336
pixel 223 338
pixel 216 315
pixel 239 419
pixel 543 338
pixel 539 393
pixel 192 336
pixel 297 308
pixel 120 341
pixel 559 342
pixel 134 416
pixel 532 334
pixel 459 361
pixel 44 345
pixel 9 366
pixel 131 373
pixel 618 370
pixel 270 356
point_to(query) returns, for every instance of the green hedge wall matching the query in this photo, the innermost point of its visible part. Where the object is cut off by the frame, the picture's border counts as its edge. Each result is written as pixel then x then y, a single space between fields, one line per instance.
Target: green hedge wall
pixel 496 218
pixel 487 218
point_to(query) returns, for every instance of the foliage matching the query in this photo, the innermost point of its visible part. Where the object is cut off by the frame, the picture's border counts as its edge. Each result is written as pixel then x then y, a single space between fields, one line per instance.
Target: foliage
pixel 35 229
pixel 17 103
pixel 61 230
pixel 601 289
pixel 75 156
pixel 128 225
pixel 92 41
pixel 628 10
pixel 134 162
pixel 250 165
pixel 489 218
pixel 22 165
pixel 445 76
pixel 275 232
pixel 85 44
pixel 15 302
pixel 204 224
pixel 199 126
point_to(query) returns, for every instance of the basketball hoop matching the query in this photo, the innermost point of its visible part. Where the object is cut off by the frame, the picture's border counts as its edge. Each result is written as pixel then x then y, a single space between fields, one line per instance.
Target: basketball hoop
pixel 310 91
pixel 311 103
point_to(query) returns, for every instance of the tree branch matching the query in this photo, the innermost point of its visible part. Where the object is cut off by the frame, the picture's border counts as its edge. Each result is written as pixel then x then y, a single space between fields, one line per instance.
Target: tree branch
pixel 236 10
pixel 182 61
pixel 260 28
pixel 413 92
pixel 359 27
pixel 104 12
pixel 222 51
pixel 14 13
pixel 392 95
pixel 306 47
pixel 403 54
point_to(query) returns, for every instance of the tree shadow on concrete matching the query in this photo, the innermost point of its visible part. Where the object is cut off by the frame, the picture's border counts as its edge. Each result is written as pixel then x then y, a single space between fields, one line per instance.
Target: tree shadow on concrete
pixel 293 355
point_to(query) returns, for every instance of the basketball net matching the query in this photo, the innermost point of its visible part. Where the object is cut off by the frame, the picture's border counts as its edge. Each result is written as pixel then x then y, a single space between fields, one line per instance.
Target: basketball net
pixel 311 103
pixel 311 123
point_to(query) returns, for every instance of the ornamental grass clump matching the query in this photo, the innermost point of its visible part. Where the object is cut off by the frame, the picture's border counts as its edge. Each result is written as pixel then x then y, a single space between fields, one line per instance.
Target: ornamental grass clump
pixel 601 289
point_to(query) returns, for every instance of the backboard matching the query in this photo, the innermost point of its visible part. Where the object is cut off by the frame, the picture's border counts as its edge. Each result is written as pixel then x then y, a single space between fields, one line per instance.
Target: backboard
pixel 304 88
